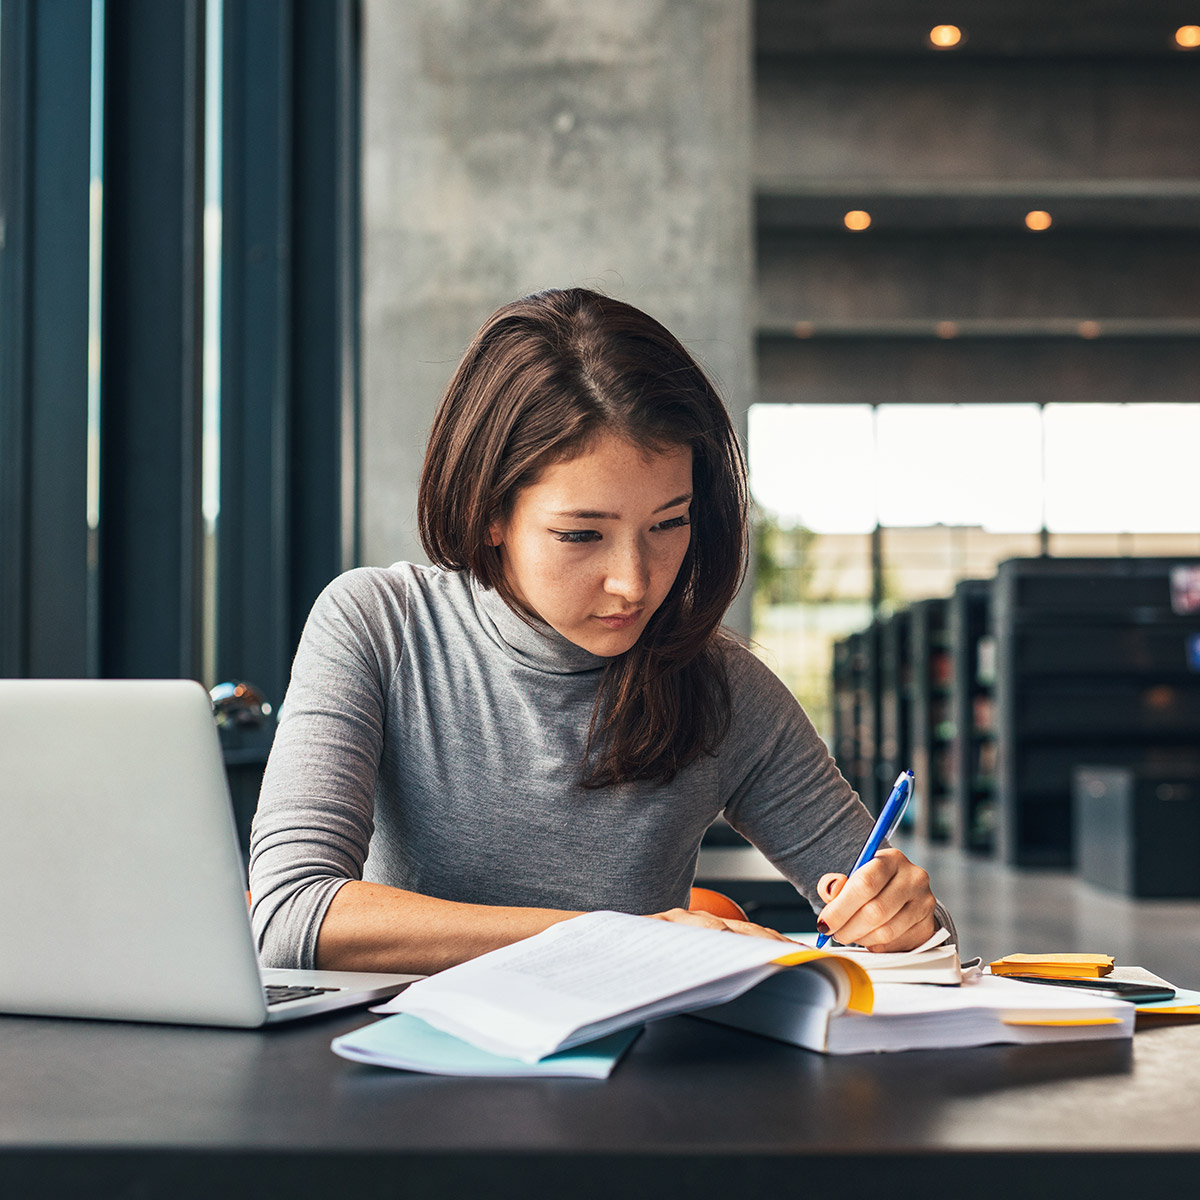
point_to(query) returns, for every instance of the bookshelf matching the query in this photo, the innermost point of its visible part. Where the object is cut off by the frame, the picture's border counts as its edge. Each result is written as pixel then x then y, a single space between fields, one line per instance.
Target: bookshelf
pixel 931 724
pixel 895 704
pixel 973 748
pixel 1093 669
pixel 856 711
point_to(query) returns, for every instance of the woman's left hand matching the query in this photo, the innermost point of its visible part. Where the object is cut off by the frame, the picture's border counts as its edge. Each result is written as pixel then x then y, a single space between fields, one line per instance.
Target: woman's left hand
pixel 884 905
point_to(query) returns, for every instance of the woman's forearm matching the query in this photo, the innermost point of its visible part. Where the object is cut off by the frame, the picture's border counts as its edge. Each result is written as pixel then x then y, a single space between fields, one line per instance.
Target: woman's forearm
pixel 372 927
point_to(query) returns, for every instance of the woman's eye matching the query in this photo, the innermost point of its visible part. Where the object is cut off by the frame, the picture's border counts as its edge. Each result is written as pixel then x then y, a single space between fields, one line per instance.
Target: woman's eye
pixel 575 536
pixel 675 523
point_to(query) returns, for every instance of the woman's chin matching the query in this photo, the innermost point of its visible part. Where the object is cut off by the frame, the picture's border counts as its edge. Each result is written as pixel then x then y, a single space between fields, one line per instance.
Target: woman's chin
pixel 603 642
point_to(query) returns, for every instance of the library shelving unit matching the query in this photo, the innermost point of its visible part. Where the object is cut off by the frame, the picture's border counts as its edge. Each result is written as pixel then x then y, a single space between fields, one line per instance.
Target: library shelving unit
pixel 931 725
pixel 895 703
pixel 1097 665
pixel 866 679
pixel 1136 832
pixel 844 707
pixel 856 711
pixel 973 748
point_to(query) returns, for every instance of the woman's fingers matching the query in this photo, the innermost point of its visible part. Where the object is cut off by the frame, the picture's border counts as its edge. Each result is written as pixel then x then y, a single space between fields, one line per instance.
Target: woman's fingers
pixel 885 905
pixel 684 916
pixel 911 926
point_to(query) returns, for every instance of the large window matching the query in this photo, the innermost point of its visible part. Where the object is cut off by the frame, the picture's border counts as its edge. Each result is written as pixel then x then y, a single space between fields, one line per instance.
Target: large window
pixel 864 509
pixel 178 340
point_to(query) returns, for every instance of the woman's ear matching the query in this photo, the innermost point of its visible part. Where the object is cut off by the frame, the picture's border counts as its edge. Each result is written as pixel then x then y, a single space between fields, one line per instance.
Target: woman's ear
pixel 495 534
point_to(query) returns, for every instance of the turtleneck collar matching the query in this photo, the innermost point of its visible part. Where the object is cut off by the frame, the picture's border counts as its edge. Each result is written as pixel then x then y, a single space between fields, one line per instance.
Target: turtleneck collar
pixel 538 645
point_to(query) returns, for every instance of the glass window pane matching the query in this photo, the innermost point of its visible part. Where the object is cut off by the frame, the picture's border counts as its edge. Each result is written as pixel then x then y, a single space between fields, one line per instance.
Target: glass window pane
pixel 960 465
pixel 813 465
pixel 812 475
pixel 1088 475
pixel 1125 468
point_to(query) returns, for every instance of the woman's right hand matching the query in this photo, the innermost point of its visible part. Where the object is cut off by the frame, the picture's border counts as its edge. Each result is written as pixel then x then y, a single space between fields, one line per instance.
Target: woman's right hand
pixel 704 920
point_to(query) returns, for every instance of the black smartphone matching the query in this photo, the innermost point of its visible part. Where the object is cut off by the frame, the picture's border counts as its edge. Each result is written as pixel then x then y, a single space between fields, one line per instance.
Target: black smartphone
pixel 1118 989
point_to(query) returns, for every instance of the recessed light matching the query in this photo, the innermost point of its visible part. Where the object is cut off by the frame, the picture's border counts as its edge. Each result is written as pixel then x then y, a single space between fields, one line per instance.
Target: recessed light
pixel 1038 220
pixel 1188 36
pixel 856 219
pixel 945 37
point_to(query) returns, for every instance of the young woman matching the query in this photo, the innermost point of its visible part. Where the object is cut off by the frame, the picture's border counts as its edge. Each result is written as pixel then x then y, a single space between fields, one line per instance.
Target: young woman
pixel 547 720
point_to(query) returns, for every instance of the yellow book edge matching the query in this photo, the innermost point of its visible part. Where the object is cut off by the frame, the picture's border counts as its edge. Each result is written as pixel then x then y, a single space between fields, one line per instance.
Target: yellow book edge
pixel 862 994
pixel 1061 1021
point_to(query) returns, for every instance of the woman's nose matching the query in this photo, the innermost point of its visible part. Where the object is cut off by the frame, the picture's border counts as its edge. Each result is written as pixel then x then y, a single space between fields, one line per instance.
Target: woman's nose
pixel 629 574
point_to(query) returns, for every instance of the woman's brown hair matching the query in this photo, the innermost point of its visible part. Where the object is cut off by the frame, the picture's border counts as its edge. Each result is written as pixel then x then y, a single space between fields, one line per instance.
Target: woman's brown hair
pixel 542 378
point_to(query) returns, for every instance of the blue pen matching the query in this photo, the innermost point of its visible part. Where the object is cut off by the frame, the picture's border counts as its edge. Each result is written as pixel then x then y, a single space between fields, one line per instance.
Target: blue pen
pixel 885 825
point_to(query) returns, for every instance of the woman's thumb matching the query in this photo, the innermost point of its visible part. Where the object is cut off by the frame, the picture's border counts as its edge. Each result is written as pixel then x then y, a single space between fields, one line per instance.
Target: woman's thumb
pixel 830 885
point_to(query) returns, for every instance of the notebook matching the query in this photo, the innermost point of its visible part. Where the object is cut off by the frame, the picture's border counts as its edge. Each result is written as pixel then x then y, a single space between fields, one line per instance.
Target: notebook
pixel 122 888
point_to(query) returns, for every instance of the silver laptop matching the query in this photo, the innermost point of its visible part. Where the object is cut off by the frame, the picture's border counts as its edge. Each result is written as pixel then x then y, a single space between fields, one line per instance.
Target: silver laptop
pixel 122 889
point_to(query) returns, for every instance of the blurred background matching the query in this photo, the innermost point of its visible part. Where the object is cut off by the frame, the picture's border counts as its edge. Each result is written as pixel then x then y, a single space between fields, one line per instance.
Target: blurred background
pixel 940 258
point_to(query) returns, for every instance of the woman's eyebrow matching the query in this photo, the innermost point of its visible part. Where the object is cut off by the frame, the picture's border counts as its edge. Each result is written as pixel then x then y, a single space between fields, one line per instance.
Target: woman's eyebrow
pixel 589 514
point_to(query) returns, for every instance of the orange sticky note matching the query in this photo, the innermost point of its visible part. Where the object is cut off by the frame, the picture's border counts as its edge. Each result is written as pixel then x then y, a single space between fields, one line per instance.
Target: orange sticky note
pixel 1054 966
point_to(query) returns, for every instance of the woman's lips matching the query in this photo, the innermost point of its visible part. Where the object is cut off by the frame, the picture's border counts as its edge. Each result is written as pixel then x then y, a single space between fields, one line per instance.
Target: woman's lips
pixel 620 620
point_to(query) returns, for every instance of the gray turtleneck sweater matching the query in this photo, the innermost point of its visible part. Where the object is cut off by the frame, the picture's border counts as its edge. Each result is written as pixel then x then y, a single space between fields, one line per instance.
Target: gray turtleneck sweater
pixel 432 740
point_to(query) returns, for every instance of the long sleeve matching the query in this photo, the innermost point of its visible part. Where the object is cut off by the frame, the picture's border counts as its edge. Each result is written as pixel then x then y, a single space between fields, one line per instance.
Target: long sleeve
pixel 315 816
pixel 786 794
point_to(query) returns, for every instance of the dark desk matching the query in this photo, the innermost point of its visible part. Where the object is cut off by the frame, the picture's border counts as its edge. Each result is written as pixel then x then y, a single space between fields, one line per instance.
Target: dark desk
pixel 95 1109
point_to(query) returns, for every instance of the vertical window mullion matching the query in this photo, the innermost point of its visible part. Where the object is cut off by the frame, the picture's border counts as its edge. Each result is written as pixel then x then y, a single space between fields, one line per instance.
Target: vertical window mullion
pixel 44 337
pixel 151 395
pixel 253 616
pixel 325 241
pixel 15 73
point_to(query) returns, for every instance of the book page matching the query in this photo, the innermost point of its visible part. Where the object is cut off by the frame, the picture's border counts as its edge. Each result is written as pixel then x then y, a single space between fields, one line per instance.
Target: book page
pixel 631 959
pixel 528 998
pixel 994 993
pixel 932 949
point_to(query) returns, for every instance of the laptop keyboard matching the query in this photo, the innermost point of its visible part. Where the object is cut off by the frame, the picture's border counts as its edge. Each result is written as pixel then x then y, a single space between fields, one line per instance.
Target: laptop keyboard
pixel 278 993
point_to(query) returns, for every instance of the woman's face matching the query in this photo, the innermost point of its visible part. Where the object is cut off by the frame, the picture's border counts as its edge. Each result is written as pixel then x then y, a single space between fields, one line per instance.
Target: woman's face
pixel 594 545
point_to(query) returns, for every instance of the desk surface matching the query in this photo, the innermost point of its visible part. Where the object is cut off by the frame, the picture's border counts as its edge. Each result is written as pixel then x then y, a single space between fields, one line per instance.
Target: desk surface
pixel 94 1108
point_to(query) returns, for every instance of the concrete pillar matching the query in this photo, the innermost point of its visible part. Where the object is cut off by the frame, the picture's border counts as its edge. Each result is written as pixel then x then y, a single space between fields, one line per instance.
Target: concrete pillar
pixel 513 146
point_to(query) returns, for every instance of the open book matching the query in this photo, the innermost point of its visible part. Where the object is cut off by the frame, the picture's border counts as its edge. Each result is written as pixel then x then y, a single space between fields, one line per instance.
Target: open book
pixel 603 971
pixel 600 972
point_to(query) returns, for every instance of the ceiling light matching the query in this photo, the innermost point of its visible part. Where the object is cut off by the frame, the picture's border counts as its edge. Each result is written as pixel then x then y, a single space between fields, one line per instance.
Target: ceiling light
pixel 945 37
pixel 856 219
pixel 1037 220
pixel 1188 36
